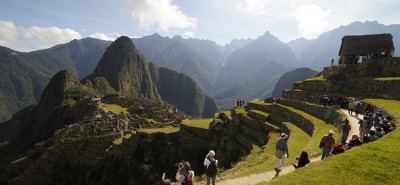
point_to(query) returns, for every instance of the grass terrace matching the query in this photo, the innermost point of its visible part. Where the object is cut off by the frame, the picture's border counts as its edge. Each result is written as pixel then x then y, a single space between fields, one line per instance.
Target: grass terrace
pixel 167 129
pixel 316 79
pixel 19 160
pixel 115 108
pixel 4 143
pixel 321 128
pixel 372 163
pixel 200 123
pixel 263 158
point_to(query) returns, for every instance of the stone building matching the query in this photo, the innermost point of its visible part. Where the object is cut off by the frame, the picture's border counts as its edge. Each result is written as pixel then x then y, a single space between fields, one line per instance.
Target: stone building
pixel 355 48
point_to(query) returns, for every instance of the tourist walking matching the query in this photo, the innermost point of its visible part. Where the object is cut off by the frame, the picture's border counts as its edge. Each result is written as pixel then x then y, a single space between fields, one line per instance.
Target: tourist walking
pixel 345 131
pixel 327 143
pixel 282 151
pixel 211 167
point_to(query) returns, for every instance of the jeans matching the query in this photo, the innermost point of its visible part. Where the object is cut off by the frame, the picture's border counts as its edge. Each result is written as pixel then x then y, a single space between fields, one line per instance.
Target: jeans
pixel 213 180
pixel 325 152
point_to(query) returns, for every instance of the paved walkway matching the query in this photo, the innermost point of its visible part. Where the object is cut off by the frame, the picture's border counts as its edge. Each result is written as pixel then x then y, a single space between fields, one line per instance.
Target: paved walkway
pixel 269 175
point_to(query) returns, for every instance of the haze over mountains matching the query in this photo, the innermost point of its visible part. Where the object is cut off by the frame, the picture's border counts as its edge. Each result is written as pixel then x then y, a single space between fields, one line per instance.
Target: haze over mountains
pixel 243 69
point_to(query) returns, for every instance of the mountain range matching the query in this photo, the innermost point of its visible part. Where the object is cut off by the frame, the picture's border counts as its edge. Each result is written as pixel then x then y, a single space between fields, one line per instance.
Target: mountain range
pixel 245 68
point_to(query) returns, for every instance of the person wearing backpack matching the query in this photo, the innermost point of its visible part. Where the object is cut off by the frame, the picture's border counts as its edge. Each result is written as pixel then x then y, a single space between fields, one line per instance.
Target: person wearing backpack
pixel 328 144
pixel 189 174
pixel 282 151
pixel 185 175
pixel 210 164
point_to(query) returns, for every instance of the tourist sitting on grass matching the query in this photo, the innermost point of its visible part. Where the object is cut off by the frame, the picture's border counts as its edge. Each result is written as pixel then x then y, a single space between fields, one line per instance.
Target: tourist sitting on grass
pixel 379 132
pixel 392 127
pixel 302 160
pixel 372 136
pixel 355 141
pixel 337 149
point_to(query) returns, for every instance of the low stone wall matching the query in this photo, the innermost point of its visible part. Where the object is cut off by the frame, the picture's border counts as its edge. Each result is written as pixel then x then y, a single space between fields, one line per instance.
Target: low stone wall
pixel 244 143
pixel 260 133
pixel 103 139
pixel 201 132
pixel 305 96
pixel 368 87
pixel 303 123
pixel 326 113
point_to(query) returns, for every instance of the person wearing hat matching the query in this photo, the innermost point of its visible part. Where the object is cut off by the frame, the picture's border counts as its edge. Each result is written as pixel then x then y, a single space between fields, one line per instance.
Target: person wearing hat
pixel 211 167
pixel 281 151
pixel 328 142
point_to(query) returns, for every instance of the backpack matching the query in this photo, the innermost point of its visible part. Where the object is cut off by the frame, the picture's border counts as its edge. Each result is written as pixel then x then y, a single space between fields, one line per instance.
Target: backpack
pixel 211 169
pixel 188 180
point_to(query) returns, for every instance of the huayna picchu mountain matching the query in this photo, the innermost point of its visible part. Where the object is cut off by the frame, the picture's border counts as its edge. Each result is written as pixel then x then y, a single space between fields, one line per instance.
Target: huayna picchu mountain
pixel 128 72
pixel 125 68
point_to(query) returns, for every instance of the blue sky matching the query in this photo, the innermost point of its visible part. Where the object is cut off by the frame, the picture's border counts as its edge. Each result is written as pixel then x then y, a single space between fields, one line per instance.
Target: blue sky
pixel 27 25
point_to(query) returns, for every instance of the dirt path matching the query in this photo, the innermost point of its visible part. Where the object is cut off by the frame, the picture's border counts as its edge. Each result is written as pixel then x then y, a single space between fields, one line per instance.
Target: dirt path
pixel 262 177
pixel 269 175
pixel 353 123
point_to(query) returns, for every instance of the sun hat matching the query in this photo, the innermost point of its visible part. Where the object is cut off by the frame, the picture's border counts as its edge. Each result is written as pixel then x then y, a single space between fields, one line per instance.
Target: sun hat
pixel 211 153
pixel 331 132
pixel 283 136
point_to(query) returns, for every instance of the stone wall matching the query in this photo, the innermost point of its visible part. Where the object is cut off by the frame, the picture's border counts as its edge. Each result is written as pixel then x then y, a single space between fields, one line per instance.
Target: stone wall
pixel 325 113
pixel 200 132
pixel 285 115
pixel 359 87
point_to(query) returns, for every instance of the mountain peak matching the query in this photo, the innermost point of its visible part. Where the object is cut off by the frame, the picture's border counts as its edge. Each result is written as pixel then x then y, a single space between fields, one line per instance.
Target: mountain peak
pixel 124 41
pixel 126 70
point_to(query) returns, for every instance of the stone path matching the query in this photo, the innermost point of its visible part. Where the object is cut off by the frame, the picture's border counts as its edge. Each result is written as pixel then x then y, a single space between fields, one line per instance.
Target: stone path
pixel 270 175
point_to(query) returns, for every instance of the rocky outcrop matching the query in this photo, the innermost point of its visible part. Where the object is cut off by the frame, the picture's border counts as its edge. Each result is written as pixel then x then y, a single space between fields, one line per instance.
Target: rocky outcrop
pixel 287 79
pixel 126 70
pixel 183 92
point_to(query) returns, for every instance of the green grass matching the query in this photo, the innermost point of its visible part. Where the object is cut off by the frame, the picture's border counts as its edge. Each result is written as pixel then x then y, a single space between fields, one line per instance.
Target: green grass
pixel 379 78
pixel 200 123
pixel 321 128
pixel 4 143
pixel 19 160
pixel 263 158
pixel 167 129
pixel 372 163
pixel 228 114
pixel 317 78
pixel 115 108
pixel 260 112
pixel 152 120
pixel 117 141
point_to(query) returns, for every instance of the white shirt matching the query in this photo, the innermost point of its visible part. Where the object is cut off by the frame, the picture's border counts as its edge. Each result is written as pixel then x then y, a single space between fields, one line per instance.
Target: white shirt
pixel 208 162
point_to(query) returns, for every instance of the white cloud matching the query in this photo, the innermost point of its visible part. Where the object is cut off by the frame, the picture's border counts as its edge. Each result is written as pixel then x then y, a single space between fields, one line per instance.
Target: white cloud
pixel 33 38
pixel 188 34
pixel 312 20
pixel 48 36
pixel 252 6
pixel 8 33
pixel 102 36
pixel 160 13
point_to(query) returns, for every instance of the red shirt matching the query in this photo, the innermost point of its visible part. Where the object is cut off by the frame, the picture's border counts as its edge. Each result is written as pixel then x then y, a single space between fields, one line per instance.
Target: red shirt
pixel 328 141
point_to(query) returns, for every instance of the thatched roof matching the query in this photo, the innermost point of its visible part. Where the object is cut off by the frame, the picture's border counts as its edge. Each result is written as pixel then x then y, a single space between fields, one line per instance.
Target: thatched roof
pixel 365 44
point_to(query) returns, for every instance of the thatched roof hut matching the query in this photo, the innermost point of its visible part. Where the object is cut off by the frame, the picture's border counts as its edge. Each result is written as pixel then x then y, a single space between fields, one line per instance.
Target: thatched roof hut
pixel 366 45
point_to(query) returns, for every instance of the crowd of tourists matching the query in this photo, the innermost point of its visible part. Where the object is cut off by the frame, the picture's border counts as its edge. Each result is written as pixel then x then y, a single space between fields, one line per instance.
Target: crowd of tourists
pixel 372 127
